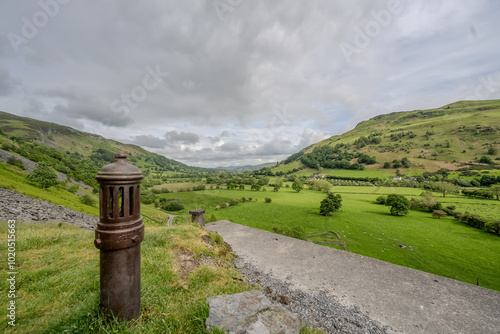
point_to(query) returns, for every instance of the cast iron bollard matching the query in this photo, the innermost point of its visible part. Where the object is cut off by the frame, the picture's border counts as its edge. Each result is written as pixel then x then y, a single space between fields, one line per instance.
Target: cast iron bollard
pixel 118 235
pixel 197 216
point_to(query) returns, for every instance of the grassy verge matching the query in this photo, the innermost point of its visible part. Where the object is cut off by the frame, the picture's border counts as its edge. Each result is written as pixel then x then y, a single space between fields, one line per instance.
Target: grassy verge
pixel 58 281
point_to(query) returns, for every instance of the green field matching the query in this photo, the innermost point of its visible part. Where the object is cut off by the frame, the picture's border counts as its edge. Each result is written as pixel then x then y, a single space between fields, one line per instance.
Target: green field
pixel 443 247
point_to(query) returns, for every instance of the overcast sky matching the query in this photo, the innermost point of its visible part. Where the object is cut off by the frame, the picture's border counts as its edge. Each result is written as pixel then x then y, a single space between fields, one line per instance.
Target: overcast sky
pixel 234 82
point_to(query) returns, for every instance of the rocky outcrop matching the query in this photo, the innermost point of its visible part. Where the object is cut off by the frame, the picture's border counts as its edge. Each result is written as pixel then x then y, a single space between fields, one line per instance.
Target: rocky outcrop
pixel 23 208
pixel 250 312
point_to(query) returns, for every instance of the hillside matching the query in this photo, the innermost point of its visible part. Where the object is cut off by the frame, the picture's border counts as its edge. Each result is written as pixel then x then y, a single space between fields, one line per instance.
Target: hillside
pixel 75 152
pixel 245 168
pixel 454 136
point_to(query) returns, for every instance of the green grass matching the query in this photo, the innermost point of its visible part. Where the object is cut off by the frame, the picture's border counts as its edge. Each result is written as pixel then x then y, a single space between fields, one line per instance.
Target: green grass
pixel 372 173
pixel 443 247
pixel 58 281
pixel 15 179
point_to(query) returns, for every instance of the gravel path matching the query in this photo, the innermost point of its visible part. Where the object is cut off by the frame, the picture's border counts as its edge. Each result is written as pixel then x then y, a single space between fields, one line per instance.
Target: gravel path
pixel 317 310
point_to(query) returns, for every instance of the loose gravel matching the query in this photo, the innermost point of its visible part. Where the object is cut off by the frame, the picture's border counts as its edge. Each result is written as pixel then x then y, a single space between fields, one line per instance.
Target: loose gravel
pixel 320 311
pixel 23 208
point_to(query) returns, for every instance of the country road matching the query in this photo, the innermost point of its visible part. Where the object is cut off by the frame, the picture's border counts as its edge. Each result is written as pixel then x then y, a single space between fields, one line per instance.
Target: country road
pixel 170 219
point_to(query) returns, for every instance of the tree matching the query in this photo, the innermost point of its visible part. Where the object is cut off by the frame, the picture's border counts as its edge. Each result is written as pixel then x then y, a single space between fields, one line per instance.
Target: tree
pixel 256 187
pixel 330 204
pixel 405 162
pixel 297 186
pixel 398 203
pixel 44 176
pixel 277 184
pixel 445 188
pixel 495 191
pixel 381 200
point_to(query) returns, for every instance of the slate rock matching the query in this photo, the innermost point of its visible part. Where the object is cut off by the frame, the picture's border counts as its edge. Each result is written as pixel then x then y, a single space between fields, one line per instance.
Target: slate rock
pixel 228 311
pixel 275 320
pixel 250 313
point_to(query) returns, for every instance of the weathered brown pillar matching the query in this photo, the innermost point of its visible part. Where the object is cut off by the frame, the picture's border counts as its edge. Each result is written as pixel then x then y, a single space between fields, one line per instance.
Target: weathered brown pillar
pixel 197 216
pixel 119 234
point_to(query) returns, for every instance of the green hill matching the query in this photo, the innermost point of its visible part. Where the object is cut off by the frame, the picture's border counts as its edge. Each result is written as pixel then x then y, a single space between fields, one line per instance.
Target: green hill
pixel 76 153
pixel 459 135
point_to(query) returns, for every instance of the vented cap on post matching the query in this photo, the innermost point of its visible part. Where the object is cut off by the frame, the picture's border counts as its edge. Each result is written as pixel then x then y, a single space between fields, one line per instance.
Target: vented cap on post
pixel 120 225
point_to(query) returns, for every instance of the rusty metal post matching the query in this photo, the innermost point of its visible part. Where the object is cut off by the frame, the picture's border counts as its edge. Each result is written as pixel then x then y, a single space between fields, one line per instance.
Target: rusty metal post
pixel 197 216
pixel 118 235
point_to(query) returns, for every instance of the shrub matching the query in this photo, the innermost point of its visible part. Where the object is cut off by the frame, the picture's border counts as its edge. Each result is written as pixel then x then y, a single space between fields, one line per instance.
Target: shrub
pixel 15 162
pixel 439 214
pixel 243 200
pixel 147 197
pixel 486 160
pixel 473 220
pixel 268 200
pixel 88 200
pixel 160 191
pixel 381 200
pixel 493 227
pixel 233 202
pixel 44 176
pixel 172 204
pixel 73 189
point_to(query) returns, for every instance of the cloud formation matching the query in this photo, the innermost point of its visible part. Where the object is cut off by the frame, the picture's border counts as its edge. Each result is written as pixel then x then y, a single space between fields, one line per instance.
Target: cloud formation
pixel 249 84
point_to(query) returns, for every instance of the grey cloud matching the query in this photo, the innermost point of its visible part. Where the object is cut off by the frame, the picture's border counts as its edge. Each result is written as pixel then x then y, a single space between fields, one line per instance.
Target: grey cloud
pixel 92 109
pixel 310 136
pixel 232 74
pixel 7 83
pixel 229 147
pixel 149 141
pixel 277 146
pixel 214 140
pixel 75 105
pixel 182 137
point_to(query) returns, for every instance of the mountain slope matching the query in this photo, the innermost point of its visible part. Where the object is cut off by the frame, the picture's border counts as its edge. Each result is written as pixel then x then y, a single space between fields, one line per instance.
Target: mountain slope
pixel 245 168
pixel 453 136
pixel 75 152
